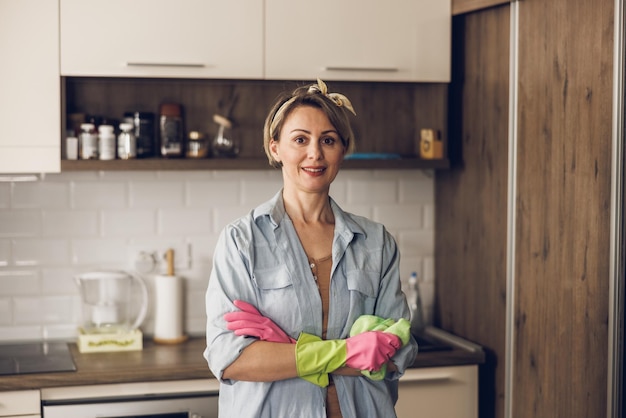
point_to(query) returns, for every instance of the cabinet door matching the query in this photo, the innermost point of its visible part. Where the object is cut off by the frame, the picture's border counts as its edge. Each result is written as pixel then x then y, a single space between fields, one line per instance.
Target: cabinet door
pixel 30 93
pixel 439 392
pixel 360 40
pixel 162 38
pixel 24 403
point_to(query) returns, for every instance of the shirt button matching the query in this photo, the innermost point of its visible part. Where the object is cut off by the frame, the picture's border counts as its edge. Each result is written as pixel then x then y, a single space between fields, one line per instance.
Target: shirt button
pixel 312 265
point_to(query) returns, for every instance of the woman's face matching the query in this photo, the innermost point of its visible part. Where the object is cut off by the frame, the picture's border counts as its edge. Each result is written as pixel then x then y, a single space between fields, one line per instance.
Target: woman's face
pixel 309 149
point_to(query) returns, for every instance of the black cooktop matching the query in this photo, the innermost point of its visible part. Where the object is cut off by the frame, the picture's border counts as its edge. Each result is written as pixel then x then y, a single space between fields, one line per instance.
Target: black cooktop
pixel 35 357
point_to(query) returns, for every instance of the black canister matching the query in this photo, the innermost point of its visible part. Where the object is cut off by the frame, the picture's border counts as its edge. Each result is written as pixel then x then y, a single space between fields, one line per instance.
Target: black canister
pixel 171 130
pixel 144 128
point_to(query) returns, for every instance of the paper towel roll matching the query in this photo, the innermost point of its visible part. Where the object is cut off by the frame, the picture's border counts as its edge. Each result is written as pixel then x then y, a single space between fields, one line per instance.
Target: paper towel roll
pixel 168 313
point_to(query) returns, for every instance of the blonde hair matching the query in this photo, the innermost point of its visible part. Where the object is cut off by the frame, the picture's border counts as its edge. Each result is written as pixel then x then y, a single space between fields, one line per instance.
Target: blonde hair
pixel 334 105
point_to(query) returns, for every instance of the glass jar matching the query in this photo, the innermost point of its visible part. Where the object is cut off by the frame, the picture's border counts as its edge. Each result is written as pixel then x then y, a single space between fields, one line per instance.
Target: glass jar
pixel 143 123
pixel 107 140
pixel 88 142
pixel 171 130
pixel 197 146
pixel 126 142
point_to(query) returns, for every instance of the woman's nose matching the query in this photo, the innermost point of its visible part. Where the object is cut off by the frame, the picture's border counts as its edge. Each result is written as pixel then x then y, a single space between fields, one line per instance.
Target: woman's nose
pixel 315 150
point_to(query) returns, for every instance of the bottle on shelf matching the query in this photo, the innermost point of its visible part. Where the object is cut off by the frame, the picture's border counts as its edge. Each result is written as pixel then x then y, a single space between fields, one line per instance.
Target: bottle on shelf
pixel 415 304
pixel 88 142
pixel 126 142
pixel 107 142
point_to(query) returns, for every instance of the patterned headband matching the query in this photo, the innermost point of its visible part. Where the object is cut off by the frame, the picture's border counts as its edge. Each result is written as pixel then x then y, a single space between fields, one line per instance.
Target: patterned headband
pixel 338 98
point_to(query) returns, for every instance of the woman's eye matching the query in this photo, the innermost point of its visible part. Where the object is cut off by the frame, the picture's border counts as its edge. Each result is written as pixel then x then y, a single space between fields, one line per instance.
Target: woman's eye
pixel 328 141
pixel 299 140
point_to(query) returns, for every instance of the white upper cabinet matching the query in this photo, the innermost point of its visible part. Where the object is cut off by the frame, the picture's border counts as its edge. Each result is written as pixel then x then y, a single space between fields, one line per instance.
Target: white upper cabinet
pixel 162 38
pixel 358 40
pixel 30 92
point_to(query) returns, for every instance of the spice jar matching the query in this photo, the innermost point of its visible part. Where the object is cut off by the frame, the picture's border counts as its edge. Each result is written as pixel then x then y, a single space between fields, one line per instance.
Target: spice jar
pixel 197 146
pixel 171 130
pixel 126 142
pixel 88 142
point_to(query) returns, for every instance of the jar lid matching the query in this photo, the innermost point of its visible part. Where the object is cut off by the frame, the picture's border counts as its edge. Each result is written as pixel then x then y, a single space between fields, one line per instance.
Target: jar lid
pixel 126 126
pixel 105 128
pixel 170 109
pixel 87 126
pixel 196 136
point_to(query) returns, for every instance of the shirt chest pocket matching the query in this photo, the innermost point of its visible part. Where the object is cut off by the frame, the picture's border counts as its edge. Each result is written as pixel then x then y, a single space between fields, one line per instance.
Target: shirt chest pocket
pixel 363 288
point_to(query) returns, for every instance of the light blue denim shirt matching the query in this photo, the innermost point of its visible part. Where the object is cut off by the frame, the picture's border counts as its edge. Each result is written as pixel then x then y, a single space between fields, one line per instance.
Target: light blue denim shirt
pixel 259 259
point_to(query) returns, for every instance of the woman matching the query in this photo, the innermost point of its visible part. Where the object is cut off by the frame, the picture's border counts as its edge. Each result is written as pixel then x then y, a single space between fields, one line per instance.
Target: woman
pixel 298 267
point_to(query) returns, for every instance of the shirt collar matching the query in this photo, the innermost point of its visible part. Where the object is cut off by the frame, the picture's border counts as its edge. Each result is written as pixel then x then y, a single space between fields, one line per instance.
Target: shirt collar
pixel 275 210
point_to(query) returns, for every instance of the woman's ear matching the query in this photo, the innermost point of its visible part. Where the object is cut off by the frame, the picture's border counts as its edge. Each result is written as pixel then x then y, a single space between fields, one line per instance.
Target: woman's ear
pixel 274 150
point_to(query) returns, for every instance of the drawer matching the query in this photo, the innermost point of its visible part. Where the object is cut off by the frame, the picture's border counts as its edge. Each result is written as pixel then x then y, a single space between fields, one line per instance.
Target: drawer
pixel 23 402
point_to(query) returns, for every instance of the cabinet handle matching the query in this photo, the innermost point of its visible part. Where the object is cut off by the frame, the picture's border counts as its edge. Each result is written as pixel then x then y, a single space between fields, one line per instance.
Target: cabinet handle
pixel 165 64
pixel 425 377
pixel 22 178
pixel 378 69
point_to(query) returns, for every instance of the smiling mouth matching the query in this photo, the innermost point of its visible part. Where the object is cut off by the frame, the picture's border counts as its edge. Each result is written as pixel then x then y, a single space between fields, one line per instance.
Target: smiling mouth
pixel 313 170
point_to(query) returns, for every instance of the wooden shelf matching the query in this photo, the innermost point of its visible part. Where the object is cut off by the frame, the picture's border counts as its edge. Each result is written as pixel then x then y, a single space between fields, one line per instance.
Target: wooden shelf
pixel 162 164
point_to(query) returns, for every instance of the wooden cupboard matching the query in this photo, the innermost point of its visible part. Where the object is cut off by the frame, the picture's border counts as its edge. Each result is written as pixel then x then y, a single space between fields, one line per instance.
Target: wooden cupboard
pixel 556 287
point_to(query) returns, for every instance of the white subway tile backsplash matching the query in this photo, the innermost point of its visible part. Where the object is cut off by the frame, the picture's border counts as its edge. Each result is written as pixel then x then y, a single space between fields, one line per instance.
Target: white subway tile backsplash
pixel 59 281
pixel 78 223
pixel 57 310
pixel 99 251
pixel 23 223
pixel 255 192
pixel 213 194
pixel 41 251
pixel 6 311
pixel 372 191
pixel 100 195
pixel 28 310
pixel 43 194
pixel 5 252
pixel 184 222
pixel 133 223
pixel 157 194
pixel 21 282
pixel 399 216
pixel 73 222
pixel 20 333
pixel 5 195
pixel 417 241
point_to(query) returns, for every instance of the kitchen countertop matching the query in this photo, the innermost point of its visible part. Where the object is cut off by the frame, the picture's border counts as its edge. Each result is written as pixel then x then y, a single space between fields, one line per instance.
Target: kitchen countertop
pixel 159 362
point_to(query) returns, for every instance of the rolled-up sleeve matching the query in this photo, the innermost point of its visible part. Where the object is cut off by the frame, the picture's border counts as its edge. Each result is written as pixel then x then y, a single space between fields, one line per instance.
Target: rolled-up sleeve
pixel 229 280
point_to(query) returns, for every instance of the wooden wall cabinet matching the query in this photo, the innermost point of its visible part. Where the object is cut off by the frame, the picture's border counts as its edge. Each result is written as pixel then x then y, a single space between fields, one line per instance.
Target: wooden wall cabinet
pixel 30 94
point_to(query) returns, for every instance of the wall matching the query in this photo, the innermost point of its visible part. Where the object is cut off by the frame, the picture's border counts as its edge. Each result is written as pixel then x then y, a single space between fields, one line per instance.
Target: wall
pixel 74 222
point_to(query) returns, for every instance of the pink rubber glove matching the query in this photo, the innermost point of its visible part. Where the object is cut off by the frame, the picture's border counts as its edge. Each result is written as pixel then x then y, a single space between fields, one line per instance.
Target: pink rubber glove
pixel 249 322
pixel 371 349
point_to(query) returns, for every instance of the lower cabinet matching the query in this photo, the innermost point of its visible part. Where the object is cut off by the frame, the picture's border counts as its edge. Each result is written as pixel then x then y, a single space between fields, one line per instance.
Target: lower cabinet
pixel 439 392
pixel 23 404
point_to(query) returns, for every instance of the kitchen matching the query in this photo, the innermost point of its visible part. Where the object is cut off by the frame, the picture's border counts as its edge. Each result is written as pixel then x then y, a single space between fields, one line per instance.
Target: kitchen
pixel 92 217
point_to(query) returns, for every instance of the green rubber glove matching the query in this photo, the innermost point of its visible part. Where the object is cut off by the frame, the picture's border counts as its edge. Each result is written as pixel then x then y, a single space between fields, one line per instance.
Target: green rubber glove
pixel 401 328
pixel 315 358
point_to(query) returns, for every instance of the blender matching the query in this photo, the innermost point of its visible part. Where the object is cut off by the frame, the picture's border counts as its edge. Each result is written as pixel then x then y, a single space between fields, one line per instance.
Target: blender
pixel 115 304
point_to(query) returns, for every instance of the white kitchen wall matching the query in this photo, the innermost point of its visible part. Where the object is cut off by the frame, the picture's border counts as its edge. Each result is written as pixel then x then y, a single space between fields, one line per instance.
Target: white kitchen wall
pixel 75 222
